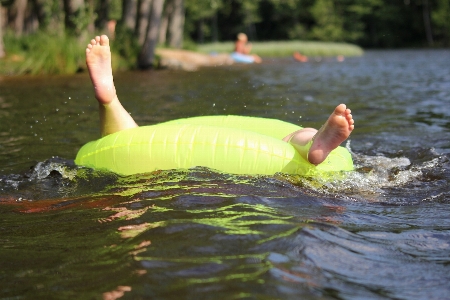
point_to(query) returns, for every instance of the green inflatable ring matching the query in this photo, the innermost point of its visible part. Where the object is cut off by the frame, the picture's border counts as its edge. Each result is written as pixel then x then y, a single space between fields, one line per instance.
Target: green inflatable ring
pixel 232 144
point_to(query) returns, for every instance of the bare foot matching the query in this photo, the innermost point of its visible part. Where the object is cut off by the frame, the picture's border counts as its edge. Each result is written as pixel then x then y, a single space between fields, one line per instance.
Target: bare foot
pixel 98 60
pixel 336 130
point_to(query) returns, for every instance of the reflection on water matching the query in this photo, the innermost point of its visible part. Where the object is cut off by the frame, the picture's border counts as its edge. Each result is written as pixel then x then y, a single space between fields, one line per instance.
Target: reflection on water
pixel 380 232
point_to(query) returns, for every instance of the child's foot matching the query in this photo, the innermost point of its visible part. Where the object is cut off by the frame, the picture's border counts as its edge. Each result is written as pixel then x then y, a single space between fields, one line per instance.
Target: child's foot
pixel 336 130
pixel 98 60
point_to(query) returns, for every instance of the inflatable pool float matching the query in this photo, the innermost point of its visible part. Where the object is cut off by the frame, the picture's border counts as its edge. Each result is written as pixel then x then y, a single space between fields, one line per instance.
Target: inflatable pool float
pixel 242 58
pixel 232 144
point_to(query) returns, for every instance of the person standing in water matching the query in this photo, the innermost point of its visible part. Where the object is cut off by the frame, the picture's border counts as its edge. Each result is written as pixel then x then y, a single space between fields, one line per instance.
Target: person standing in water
pixel 314 145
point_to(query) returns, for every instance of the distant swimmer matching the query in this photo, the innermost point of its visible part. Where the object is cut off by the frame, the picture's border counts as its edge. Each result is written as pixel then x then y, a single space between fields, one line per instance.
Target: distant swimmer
pixel 242 49
pixel 300 57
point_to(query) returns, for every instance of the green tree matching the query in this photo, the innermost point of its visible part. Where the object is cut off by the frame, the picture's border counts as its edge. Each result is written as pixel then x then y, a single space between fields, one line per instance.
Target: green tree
pixel 2 46
pixel 358 15
pixel 19 9
pixel 145 60
pixel 130 8
pixel 200 18
pixel 142 21
pixel 329 23
pixel 240 16
pixel 440 16
pixel 172 23
pixel 284 19
pixel 76 17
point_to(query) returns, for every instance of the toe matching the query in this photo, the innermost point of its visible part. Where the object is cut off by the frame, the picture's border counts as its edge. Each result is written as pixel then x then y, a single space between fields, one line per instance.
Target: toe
pixel 104 40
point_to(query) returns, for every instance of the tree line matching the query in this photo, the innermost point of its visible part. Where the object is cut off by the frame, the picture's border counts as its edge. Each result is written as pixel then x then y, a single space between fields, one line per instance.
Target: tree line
pixel 147 23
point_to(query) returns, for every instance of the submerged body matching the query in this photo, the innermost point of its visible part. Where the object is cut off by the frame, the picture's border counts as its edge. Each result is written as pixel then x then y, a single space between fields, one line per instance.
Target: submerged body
pixel 314 146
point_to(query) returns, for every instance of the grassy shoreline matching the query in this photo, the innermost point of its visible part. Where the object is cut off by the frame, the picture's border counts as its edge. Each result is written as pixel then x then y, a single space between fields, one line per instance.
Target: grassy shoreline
pixel 286 48
pixel 41 53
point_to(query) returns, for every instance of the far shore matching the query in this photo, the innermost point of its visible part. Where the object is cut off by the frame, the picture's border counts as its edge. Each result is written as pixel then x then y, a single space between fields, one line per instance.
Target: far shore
pixel 66 59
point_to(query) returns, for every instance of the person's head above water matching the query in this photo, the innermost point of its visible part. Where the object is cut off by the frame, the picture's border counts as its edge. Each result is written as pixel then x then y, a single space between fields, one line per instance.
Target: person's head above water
pixel 242 37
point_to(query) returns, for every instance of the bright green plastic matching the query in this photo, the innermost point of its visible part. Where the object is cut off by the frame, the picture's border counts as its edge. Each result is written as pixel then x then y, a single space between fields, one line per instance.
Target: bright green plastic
pixel 232 144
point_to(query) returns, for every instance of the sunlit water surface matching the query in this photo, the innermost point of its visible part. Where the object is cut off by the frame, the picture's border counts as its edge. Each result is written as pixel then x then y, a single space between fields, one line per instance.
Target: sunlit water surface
pixel 381 232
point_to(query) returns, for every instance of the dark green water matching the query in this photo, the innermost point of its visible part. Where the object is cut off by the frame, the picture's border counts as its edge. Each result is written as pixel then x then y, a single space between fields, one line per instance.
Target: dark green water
pixel 382 232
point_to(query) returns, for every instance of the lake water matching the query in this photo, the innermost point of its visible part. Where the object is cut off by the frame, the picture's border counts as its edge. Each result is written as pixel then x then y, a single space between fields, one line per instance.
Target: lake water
pixel 381 232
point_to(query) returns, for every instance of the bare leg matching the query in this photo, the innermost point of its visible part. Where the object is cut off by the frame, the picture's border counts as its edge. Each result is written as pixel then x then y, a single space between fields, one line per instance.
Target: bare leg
pixel 113 117
pixel 315 145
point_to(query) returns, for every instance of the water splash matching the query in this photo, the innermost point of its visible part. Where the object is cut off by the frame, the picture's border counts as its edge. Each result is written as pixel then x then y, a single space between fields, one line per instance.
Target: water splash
pixel 64 168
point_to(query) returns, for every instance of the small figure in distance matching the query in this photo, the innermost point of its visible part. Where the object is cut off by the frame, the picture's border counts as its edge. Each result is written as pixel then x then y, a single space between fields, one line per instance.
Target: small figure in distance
pixel 242 49
pixel 314 145
pixel 300 57
pixel 242 45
